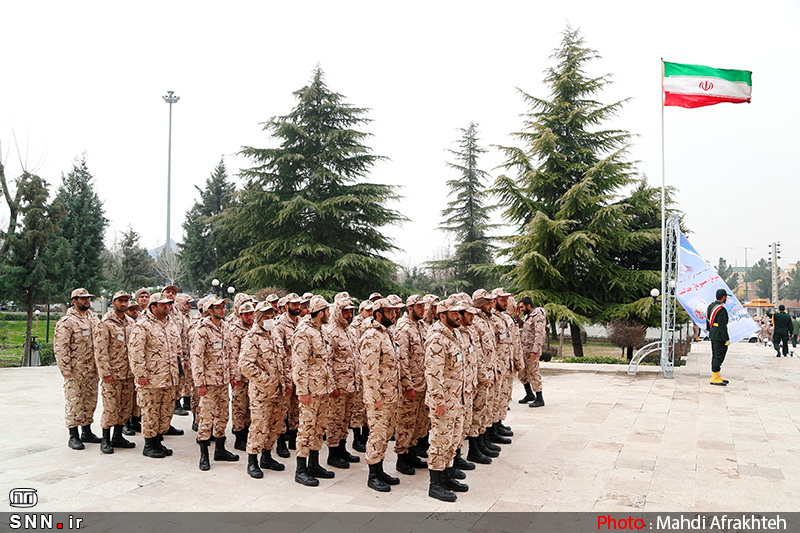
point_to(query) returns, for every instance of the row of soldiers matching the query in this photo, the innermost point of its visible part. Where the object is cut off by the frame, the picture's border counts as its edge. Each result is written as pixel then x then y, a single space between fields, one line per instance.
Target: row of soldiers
pixel 302 370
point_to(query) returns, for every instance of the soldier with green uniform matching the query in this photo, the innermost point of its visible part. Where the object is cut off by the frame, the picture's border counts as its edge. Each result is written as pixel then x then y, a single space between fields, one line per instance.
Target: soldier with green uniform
pixel 717 326
pixel 783 328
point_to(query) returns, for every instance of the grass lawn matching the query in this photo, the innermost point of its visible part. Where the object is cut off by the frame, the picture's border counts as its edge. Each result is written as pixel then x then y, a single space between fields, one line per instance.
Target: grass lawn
pixel 12 339
pixel 592 348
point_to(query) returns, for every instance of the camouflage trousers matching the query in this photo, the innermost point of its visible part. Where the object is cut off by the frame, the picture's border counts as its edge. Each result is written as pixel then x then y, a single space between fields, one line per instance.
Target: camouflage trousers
pixel 240 407
pixel 212 416
pixel 445 436
pixel 358 415
pixel 502 394
pixel 136 410
pixel 411 424
pixel 532 374
pixel 267 420
pixel 80 395
pixel 313 421
pixel 293 413
pixel 481 405
pixel 381 424
pixel 339 415
pixel 186 383
pixel 117 402
pixel 157 406
pixel 467 409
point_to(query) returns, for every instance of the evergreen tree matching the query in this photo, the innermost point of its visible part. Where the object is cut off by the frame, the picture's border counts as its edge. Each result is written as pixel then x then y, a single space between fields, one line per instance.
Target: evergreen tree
pixel 205 243
pixel 725 271
pixel 761 274
pixel 36 268
pixel 307 215
pixel 83 227
pixel 579 236
pixel 467 217
pixel 791 290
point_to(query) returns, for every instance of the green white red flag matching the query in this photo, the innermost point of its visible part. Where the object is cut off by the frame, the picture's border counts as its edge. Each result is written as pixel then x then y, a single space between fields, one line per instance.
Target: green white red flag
pixel 698 86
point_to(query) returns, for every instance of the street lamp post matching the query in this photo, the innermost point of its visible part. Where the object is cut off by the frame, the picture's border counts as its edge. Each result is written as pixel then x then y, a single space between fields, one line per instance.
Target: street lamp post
pixel 170 98
pixel 217 287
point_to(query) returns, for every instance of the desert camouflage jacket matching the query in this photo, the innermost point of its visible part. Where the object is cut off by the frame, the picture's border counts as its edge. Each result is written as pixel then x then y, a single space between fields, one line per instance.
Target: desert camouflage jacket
pixel 410 337
pixel 380 366
pixel 444 367
pixel 73 344
pixel 207 351
pixel 260 362
pixel 154 348
pixel 111 346
pixel 311 372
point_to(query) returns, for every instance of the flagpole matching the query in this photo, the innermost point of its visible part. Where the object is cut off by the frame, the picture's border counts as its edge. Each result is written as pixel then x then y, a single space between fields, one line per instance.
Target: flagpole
pixel 664 348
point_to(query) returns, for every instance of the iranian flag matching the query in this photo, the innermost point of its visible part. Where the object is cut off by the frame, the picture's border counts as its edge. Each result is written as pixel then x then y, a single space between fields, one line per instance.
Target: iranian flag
pixel 698 86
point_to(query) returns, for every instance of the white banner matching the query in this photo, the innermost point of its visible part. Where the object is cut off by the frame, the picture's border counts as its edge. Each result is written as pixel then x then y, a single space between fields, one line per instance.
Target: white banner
pixel 697 287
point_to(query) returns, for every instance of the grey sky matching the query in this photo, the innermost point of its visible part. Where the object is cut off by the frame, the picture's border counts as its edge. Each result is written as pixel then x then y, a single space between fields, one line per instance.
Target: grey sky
pixel 89 76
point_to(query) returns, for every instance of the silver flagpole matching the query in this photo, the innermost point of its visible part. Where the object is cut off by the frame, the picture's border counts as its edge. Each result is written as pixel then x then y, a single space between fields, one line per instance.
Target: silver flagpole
pixel 664 347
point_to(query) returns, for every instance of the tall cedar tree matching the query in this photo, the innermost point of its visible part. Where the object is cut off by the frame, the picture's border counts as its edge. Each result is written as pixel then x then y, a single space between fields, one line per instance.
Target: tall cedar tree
pixel 129 266
pixel 309 219
pixel 204 243
pixel 84 226
pixel 575 229
pixel 761 273
pixel 36 268
pixel 466 216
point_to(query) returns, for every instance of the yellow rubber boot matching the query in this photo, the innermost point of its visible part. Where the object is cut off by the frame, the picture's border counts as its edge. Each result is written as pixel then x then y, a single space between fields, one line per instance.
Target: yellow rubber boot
pixel 725 381
pixel 716 379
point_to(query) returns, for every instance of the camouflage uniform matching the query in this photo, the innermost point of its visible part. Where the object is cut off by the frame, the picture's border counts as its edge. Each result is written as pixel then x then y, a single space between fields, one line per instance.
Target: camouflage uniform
pixel 211 368
pixel 343 368
pixel 358 413
pixel 444 377
pixel 472 354
pixel 111 356
pixel 185 382
pixel 261 363
pixel 380 372
pixel 240 409
pixel 284 329
pixel 533 331
pixel 505 329
pixel 485 399
pixel 311 375
pixel 154 349
pixel 73 344
pixel 412 415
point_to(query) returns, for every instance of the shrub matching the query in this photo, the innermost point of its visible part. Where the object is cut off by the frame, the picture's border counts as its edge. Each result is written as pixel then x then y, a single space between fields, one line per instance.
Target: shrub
pixel 46 354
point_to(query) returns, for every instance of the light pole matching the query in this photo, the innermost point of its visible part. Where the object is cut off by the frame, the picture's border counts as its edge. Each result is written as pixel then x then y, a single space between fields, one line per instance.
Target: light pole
pixel 170 98
pixel 217 286
pixel 746 295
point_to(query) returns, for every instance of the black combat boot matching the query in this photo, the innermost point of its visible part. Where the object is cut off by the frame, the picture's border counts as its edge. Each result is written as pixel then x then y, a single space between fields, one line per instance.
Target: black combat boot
pixel 151 449
pixel 344 454
pixel 422 446
pixel 455 473
pixel 357 444
pixel 437 490
pixel 88 436
pixel 105 442
pixel 403 466
pixel 414 460
pixel 292 438
pixel 252 466
pixel 451 483
pixel 118 441
pixel 302 476
pixel 475 454
pixel 74 440
pixel 389 480
pixel 159 441
pixel 269 463
pixel 488 448
pixel 314 468
pixel 220 453
pixel 493 436
pixel 335 459
pixel 538 402
pixel 364 436
pixel 127 430
pixel 241 440
pixel 136 424
pixel 174 431
pixel 529 397
pixel 503 430
pixel 375 481
pixel 280 446
pixel 204 463
pixel 460 463
pixel 187 403
pixel 194 422
pixel 179 410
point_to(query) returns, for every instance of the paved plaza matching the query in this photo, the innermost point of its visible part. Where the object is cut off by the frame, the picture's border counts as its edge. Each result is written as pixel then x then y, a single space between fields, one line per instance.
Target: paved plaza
pixel 605 441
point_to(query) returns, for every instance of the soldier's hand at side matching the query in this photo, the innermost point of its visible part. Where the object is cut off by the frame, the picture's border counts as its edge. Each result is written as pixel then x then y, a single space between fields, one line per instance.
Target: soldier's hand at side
pixel 144 382
pixel 410 394
pixel 335 393
pixel 186 365
pixel 288 391
pixel 305 399
pixel 440 410
pixel 535 356
pixel 378 404
pixel 236 383
pixel 202 390
pixel 108 379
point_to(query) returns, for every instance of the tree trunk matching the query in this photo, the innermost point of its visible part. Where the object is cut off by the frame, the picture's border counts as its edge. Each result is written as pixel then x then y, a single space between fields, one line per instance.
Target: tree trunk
pixel 561 342
pixel 26 352
pixel 630 352
pixel 577 347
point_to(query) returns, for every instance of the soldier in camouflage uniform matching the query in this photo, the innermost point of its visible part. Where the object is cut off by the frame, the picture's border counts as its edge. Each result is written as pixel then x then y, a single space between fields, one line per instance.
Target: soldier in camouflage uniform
pixel 284 329
pixel 477 379
pixel 111 356
pixel 380 372
pixel 73 345
pixel 507 363
pixel 238 326
pixel 444 378
pixel 486 398
pixel 261 364
pixel 314 385
pixel 142 299
pixel 180 315
pixel 212 375
pixel 154 350
pixel 358 416
pixel 343 368
pixel 409 333
pixel 533 332
pixel 471 343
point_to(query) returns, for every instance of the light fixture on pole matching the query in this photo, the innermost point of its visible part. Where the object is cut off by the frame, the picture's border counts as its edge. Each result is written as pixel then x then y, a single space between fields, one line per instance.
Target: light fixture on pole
pixel 170 98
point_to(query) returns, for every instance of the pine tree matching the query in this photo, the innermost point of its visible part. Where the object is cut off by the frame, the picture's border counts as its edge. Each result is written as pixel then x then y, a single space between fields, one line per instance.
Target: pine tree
pixel 84 226
pixel 725 271
pixel 36 268
pixel 205 244
pixel 307 215
pixel 467 216
pixel 578 233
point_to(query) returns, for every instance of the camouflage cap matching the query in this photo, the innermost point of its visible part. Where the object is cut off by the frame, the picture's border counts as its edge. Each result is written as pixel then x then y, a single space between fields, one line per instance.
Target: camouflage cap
pixel 215 300
pixel 240 298
pixel 395 300
pixel 344 303
pixel 365 305
pixel 183 298
pixel 343 294
pixel 384 303
pixel 173 287
pixel 413 300
pixel 480 295
pixel 272 298
pixel 120 294
pixel 293 298
pixel 317 303
pixel 450 305
pixel 461 296
pixel 428 298
pixel 202 304
pixel 158 298
pixel 283 301
pixel 140 292
pixel 307 297
pixel 246 307
pixel 500 291
pixel 134 306
pixel 375 296
pixel 263 307
pixel 80 293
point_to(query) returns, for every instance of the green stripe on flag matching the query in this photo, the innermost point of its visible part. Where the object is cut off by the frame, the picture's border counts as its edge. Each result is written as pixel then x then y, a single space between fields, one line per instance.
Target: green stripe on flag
pixel 680 69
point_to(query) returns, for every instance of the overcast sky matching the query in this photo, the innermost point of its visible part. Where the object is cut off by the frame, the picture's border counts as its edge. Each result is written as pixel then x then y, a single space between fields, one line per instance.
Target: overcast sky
pixel 88 77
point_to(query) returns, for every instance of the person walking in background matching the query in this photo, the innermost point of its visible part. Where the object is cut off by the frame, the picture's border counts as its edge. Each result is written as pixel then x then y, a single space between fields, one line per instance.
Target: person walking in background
pixel 783 328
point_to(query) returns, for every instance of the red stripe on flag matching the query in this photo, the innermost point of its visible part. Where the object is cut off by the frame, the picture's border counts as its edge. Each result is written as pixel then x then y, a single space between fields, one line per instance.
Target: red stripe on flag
pixel 698 100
